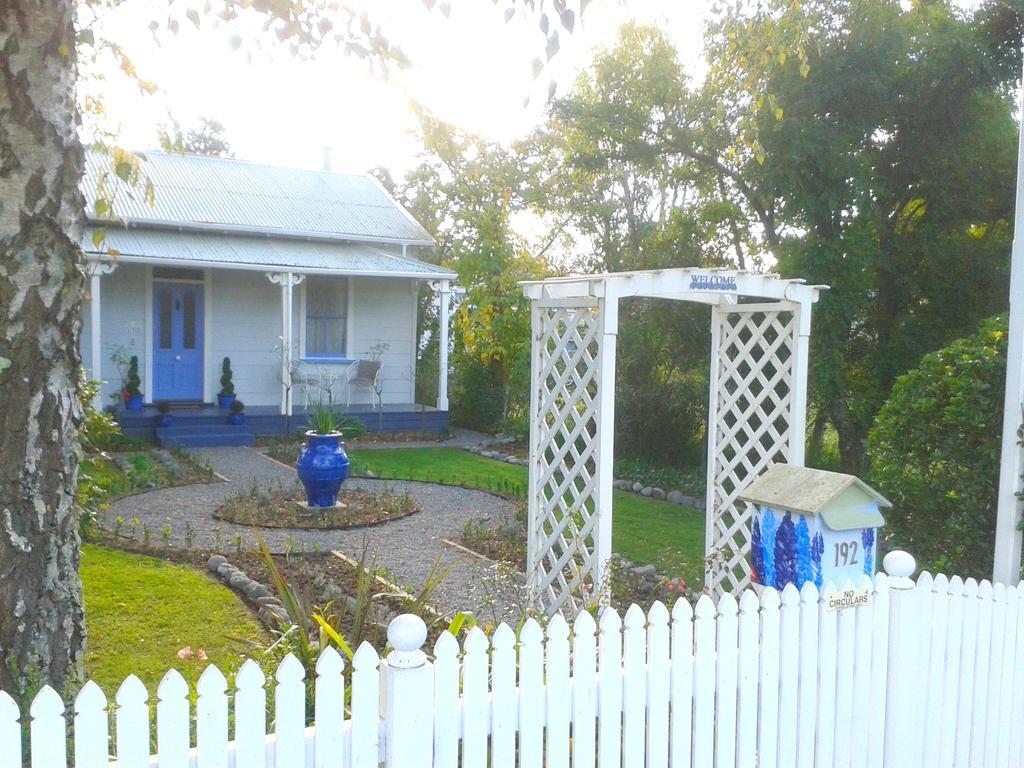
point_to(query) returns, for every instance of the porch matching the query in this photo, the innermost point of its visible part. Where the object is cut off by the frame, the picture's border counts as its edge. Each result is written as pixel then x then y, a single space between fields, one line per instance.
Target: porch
pixel 207 425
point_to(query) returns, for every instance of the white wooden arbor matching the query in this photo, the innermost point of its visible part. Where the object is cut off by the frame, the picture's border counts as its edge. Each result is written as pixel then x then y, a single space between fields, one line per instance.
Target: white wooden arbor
pixel 760 330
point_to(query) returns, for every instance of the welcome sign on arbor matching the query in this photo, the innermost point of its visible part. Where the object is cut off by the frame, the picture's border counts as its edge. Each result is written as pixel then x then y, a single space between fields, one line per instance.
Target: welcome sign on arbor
pixel 812 525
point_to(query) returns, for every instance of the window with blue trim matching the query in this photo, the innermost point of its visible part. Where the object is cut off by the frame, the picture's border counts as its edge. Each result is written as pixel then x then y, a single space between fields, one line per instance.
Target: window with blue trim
pixel 326 316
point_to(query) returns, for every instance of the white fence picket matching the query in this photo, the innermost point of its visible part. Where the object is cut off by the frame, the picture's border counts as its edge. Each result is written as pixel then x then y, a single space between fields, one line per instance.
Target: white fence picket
pixel 935 697
pixel 475 723
pixel 704 682
pixel 251 716
pixel 531 694
pixel 91 728
pixel 365 737
pixel 727 644
pixel 609 729
pixel 634 681
pixel 789 652
pixel 657 685
pixel 504 719
pixel 1007 667
pixel 329 711
pixel 824 748
pixel 289 714
pixel 559 695
pixel 681 740
pixel 172 721
pixel 132 724
pixel 879 671
pixel 968 656
pixel 807 693
pixel 953 631
pixel 46 732
pixel 10 733
pixel 768 726
pixel 212 719
pixel 845 631
pixel 995 675
pixel 1016 755
pixel 979 703
pixel 749 652
pixel 584 690
pixel 446 701
pixel 863 632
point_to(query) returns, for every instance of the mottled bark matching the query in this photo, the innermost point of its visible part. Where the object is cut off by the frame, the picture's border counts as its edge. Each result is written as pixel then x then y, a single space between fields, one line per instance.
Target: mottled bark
pixel 42 632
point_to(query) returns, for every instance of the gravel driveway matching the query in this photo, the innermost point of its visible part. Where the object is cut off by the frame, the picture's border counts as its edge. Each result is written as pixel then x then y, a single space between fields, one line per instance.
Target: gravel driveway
pixel 407 548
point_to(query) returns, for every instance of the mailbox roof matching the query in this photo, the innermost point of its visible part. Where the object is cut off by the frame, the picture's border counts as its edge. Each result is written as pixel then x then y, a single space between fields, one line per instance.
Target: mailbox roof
pixel 810 491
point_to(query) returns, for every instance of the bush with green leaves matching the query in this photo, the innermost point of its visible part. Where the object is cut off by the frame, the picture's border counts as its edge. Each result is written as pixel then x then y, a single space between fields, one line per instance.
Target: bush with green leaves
pixel 934 452
pixel 227 385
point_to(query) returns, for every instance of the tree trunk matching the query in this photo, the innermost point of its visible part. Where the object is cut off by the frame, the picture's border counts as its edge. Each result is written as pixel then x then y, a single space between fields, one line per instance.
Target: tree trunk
pixel 42 632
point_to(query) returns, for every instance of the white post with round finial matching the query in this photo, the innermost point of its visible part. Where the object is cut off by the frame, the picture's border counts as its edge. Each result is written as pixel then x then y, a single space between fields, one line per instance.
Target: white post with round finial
pixel 407 695
pixel 904 722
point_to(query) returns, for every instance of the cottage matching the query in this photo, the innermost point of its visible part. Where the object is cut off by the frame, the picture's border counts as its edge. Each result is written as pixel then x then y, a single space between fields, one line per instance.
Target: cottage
pixel 294 275
pixel 812 525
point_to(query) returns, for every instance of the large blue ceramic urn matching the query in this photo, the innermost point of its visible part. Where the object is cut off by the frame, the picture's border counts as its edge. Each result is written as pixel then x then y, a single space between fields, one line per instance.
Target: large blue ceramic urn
pixel 322 468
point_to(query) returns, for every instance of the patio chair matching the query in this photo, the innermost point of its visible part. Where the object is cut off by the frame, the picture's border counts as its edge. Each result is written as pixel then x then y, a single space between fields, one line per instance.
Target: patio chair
pixel 319 384
pixel 366 375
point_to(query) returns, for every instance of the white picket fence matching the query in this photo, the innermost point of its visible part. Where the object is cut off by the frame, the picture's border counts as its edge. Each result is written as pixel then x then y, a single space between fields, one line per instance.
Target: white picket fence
pixel 926 675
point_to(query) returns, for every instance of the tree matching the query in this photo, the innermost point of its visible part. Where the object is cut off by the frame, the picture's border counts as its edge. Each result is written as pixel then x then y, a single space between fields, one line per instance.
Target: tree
pixel 43 631
pixel 465 191
pixel 208 139
pixel 876 141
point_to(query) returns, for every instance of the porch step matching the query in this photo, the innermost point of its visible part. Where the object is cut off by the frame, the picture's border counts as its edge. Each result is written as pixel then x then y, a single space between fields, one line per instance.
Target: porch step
pixel 204 435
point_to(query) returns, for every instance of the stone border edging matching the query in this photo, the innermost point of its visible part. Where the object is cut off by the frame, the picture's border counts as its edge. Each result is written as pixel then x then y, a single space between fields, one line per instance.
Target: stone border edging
pixel 648 491
pixel 268 606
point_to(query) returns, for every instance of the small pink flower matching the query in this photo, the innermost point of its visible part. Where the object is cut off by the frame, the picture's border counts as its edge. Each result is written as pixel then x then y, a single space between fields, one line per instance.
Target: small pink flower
pixel 201 656
pixel 185 653
pixel 586 587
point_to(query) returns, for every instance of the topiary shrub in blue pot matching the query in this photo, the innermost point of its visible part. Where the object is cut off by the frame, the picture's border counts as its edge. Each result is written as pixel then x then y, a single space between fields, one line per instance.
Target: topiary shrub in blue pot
pixel 226 396
pixel 237 416
pixel 165 419
pixel 322 464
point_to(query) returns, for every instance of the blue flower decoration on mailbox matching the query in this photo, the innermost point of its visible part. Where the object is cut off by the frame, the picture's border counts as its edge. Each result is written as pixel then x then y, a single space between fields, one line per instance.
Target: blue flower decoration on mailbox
pixel 812 526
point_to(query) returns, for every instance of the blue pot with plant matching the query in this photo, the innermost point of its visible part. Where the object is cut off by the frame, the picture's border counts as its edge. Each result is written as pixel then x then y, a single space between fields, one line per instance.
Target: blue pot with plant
pixel 237 415
pixel 130 391
pixel 164 409
pixel 322 464
pixel 226 396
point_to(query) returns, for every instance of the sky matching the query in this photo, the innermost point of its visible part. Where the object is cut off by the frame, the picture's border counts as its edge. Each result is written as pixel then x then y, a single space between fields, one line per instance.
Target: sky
pixel 471 69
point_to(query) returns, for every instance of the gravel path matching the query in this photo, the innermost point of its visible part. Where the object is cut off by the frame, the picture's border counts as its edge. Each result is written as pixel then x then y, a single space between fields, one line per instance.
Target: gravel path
pixel 407 548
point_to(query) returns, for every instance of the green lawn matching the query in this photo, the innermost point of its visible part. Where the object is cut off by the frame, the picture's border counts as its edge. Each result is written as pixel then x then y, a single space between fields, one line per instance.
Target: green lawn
pixel 140 611
pixel 644 530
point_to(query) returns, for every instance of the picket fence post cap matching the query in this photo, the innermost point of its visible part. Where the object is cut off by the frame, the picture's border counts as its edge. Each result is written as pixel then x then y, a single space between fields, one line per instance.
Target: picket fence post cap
pixel 899 564
pixel 407 634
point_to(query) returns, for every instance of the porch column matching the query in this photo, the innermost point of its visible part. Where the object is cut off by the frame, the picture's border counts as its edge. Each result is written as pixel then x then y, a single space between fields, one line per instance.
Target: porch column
pixel 97 270
pixel 287 281
pixel 444 293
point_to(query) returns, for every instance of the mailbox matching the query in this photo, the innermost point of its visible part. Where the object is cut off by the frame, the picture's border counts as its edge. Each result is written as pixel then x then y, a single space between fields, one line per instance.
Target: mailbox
pixel 812 525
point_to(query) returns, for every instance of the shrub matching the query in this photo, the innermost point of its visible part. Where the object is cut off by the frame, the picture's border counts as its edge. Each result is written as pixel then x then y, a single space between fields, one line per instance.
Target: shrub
pixel 133 382
pixel 934 453
pixel 237 407
pixel 227 386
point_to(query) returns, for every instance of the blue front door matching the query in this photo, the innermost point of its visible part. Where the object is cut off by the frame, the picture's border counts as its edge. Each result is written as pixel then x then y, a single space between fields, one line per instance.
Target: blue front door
pixel 177 341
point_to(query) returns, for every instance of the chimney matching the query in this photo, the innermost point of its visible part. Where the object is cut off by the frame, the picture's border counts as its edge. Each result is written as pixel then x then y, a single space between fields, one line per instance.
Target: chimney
pixel 327 159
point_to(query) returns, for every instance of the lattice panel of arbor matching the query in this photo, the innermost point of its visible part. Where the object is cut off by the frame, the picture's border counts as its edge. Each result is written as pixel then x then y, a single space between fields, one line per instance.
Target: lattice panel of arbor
pixel 751 414
pixel 563 554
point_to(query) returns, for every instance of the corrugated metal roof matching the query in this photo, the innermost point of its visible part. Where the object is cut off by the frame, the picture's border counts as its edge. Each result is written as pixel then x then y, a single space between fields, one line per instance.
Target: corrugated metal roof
pixel 208 192
pixel 212 249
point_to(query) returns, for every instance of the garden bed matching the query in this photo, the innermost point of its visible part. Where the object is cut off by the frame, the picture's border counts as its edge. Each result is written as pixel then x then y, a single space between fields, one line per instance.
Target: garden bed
pixel 287 509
